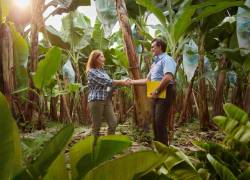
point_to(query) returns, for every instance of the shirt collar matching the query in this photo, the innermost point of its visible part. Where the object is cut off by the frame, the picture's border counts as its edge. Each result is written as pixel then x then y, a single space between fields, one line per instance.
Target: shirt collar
pixel 159 57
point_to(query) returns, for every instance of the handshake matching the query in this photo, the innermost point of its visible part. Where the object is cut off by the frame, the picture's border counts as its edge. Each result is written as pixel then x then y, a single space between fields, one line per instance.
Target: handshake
pixel 127 82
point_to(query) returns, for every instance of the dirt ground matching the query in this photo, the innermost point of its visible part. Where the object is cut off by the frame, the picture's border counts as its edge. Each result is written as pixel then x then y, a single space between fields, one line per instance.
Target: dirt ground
pixel 183 136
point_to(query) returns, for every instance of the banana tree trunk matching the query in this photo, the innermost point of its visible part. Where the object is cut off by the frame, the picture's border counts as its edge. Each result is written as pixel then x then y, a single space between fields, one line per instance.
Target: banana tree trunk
pixel 142 112
pixel 31 111
pixel 82 106
pixel 64 103
pixel 218 98
pixel 246 103
pixel 237 94
pixel 202 104
pixel 186 101
pixel 53 108
pixel 7 65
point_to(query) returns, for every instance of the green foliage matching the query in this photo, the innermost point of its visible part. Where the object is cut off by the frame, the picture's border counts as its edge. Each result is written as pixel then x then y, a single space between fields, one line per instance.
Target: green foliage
pixel 74 27
pixel 223 171
pixel 236 113
pixel 57 170
pixel 152 8
pixel 91 158
pixel 47 68
pixel 187 14
pixel 4 10
pixel 126 167
pixel 90 152
pixel 71 5
pixel 21 53
pixel 10 151
pixel 227 160
pixel 134 10
pixel 49 154
pixel 220 32
pixel 177 164
pixel 32 146
pixel 120 58
pixel 75 33
pixel 225 155
pixel 235 123
pixel 98 38
pixel 55 38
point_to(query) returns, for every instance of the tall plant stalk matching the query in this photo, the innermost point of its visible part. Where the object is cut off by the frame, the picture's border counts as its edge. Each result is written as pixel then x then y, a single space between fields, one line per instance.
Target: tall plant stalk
pixel 202 100
pixel 31 110
pixel 142 113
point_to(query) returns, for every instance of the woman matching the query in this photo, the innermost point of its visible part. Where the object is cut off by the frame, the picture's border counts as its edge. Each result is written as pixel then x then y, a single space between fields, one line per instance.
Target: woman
pixel 99 98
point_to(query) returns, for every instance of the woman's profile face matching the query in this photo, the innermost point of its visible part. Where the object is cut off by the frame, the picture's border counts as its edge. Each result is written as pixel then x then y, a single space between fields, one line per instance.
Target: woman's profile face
pixel 100 60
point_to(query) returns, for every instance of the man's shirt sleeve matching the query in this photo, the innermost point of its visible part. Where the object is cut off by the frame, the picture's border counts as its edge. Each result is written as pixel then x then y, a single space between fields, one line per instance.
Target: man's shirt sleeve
pixel 169 66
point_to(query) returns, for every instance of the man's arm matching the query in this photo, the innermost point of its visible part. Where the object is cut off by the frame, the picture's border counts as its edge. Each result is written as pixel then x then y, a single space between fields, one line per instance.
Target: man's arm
pixel 139 81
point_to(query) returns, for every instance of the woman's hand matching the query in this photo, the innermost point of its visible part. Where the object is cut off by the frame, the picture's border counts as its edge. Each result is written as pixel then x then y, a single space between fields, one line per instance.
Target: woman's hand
pixel 127 82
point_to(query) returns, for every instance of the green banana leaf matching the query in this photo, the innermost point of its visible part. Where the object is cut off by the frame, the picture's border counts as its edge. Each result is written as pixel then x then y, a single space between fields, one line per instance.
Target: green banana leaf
pixel 71 5
pixel 182 171
pixel 57 170
pixel 98 37
pixel 10 147
pixel 21 53
pixel 47 68
pixel 45 160
pixel 90 152
pixel 227 124
pixel 213 6
pixel 75 33
pixel 177 163
pixel 226 155
pixel 233 128
pixel 55 38
pixel 126 167
pixel 152 8
pixel 235 113
pixel 222 171
pixel 155 176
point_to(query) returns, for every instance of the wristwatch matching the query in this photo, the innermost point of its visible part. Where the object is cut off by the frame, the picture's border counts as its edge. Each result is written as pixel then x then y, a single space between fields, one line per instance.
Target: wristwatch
pixel 156 92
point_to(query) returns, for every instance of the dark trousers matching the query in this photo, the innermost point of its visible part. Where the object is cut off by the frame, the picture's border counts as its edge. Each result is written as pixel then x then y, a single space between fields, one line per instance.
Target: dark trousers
pixel 160 110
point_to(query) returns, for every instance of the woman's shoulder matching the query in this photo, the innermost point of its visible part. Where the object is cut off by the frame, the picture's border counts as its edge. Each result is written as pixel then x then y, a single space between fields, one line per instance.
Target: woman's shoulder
pixel 92 70
pixel 95 71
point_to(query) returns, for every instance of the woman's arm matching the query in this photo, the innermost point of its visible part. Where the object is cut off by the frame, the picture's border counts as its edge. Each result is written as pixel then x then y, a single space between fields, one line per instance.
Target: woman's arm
pixel 127 82
pixel 119 82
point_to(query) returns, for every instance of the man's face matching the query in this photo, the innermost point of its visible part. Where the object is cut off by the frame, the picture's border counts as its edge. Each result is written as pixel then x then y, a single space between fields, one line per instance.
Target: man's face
pixel 156 50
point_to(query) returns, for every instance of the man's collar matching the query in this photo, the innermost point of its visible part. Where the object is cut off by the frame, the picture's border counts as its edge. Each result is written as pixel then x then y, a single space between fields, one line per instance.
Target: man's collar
pixel 159 57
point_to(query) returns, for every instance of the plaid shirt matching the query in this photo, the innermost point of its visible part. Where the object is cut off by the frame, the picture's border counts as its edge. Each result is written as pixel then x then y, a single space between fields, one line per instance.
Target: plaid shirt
pixel 98 83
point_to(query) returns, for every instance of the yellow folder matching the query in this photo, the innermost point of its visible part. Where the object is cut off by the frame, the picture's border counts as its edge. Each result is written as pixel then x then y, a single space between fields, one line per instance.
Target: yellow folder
pixel 151 87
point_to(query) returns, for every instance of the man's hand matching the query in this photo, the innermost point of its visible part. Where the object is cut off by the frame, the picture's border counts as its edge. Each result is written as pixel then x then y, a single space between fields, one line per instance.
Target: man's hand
pixel 127 82
pixel 154 95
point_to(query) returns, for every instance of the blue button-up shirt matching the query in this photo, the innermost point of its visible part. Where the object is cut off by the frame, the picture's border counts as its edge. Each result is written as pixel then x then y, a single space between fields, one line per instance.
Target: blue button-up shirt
pixel 162 64
pixel 98 83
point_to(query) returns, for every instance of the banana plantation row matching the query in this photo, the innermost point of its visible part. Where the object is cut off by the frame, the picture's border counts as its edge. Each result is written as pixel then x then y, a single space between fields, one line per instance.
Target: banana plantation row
pixel 43 78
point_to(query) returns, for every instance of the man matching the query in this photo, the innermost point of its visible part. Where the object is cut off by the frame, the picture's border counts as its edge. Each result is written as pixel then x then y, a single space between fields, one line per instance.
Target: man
pixel 163 70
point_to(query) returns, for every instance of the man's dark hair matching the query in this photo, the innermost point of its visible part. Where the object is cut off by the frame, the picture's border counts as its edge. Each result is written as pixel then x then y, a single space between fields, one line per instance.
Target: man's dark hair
pixel 160 42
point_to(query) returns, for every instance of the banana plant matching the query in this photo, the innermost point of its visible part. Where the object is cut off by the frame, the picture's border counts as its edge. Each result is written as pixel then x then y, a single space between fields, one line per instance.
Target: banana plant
pixel 90 158
pixel 14 58
pixel 235 123
pixel 226 159
pixel 182 21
